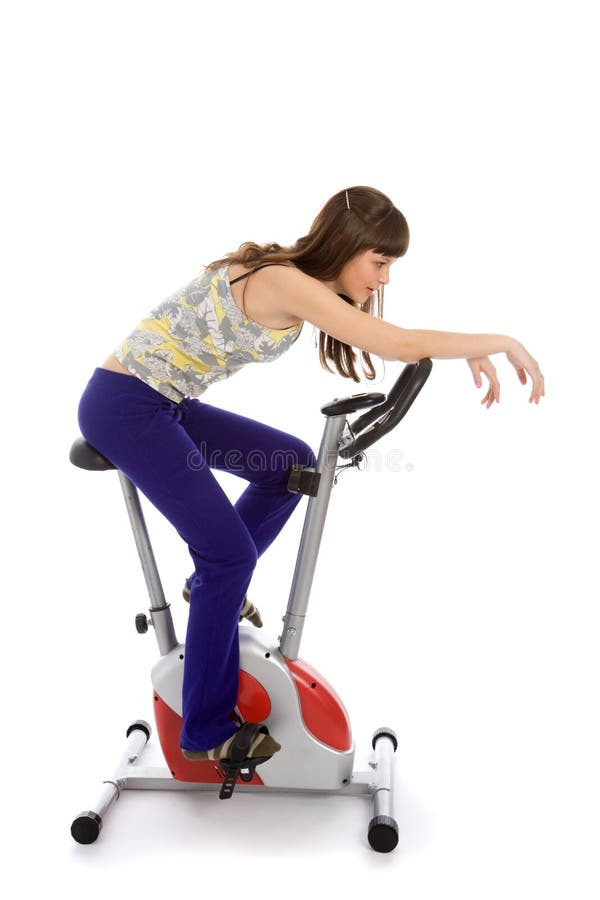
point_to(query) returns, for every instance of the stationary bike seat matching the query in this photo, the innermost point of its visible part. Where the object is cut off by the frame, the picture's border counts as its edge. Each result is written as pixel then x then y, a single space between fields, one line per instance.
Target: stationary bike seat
pixel 84 456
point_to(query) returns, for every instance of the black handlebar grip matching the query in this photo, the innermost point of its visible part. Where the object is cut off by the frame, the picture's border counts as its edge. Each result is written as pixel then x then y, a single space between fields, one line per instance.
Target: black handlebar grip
pixel 388 414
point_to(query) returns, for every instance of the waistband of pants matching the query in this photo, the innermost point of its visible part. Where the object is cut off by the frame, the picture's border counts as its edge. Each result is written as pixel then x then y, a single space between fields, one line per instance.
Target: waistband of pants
pixel 131 383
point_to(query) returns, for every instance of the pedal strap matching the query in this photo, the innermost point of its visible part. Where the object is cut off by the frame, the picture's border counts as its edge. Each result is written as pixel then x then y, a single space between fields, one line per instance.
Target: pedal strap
pixel 237 760
pixel 243 740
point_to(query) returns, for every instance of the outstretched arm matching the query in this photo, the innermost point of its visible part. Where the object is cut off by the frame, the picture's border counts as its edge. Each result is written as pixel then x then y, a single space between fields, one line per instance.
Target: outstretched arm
pixel 308 299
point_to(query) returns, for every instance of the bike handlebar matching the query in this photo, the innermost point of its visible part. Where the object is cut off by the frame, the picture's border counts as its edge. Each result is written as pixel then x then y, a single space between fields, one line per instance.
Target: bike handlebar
pixel 385 416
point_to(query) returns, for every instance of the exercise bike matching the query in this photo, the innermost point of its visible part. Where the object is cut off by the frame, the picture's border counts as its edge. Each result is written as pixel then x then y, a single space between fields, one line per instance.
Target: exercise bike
pixel 276 687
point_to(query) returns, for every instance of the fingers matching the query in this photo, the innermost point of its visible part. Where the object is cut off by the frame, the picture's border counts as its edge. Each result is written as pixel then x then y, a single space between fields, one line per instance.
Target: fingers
pixel 493 393
pixel 538 389
pixel 484 365
pixel 494 389
pixel 525 365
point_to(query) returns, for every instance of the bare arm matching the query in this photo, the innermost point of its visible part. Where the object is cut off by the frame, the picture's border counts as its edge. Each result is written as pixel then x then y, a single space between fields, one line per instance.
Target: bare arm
pixel 453 344
pixel 305 297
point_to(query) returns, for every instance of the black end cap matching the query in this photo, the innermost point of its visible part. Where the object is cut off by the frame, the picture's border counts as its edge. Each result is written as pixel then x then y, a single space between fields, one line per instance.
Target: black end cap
pixel 140 725
pixel 86 827
pixel 141 623
pixel 388 733
pixel 383 834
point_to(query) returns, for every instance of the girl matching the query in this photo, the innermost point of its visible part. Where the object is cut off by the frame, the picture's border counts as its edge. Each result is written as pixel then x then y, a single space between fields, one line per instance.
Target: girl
pixel 141 410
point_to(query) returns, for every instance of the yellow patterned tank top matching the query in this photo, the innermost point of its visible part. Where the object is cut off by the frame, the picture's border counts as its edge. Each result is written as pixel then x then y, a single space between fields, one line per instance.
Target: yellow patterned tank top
pixel 198 336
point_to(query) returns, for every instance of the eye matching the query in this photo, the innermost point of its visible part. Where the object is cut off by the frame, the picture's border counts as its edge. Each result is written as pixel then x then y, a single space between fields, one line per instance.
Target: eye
pixel 380 264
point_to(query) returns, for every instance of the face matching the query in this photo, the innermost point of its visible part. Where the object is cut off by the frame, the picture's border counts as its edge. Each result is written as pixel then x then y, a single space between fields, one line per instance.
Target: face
pixel 364 274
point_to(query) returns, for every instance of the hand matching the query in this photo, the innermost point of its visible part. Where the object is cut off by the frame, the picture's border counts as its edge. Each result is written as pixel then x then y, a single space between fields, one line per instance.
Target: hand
pixel 484 364
pixel 524 362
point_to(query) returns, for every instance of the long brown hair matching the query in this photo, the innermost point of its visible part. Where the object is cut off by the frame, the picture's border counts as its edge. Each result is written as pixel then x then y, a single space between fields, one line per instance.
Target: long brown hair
pixel 353 220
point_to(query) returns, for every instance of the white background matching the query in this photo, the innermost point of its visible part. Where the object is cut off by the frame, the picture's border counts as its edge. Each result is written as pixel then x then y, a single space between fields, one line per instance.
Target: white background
pixel 455 599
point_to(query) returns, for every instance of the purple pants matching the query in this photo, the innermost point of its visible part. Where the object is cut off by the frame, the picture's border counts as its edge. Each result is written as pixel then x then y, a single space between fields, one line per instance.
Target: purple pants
pixel 167 449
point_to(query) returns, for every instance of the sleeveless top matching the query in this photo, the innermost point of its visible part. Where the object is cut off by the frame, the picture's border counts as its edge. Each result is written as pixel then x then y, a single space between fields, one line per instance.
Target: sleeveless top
pixel 198 336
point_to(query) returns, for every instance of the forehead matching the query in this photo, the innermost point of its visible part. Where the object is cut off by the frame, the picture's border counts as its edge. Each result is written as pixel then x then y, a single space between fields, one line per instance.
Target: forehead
pixel 375 254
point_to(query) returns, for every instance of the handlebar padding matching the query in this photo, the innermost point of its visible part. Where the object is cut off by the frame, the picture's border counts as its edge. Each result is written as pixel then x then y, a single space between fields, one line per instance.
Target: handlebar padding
pixel 388 414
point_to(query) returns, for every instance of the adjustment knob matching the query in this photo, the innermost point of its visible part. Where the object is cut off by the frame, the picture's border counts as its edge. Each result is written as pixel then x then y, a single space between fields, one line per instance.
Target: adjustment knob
pixel 141 623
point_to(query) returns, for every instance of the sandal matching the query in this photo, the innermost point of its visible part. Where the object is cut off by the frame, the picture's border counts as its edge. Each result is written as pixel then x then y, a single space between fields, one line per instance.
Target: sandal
pixel 239 761
pixel 243 740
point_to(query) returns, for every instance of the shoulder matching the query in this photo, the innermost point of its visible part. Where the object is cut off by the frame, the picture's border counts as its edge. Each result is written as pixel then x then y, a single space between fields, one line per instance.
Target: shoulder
pixel 286 275
pixel 262 295
pixel 263 273
pixel 306 298
pixel 276 281
pixel 293 292
pixel 263 269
